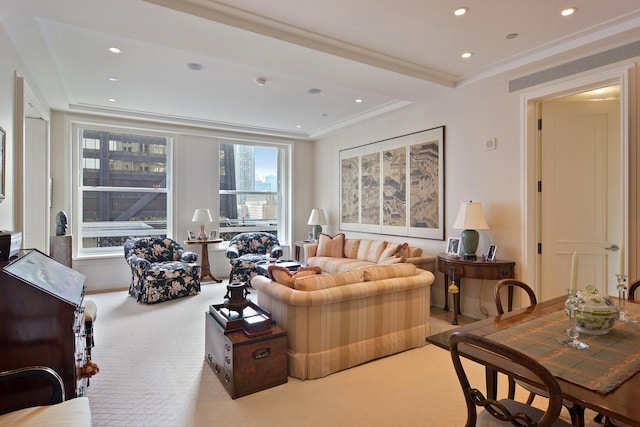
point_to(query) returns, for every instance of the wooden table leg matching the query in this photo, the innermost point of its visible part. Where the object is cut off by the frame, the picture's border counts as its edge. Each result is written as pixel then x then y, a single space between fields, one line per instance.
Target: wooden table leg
pixel 206 268
pixel 446 292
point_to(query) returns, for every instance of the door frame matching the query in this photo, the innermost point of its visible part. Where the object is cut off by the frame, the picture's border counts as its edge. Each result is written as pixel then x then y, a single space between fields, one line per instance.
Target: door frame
pixel 530 159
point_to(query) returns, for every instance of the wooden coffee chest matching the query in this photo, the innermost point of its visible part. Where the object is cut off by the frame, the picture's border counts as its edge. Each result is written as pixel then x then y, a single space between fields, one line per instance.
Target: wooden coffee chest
pixel 243 364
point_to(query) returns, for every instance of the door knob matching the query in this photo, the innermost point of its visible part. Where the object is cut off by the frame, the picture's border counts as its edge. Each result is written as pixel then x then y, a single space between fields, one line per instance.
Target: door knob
pixel 613 247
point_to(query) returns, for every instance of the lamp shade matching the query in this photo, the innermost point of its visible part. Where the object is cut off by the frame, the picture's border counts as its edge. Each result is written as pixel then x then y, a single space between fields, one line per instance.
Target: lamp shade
pixel 202 216
pixel 317 217
pixel 470 218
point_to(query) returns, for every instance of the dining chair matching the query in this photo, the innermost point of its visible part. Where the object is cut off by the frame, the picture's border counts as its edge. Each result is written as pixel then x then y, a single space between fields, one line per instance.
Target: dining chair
pixel 511 362
pixel 510 284
pixel 632 290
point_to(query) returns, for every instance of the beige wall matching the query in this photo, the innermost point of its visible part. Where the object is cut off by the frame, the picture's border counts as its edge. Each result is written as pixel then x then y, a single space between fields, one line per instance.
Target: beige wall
pixel 472 115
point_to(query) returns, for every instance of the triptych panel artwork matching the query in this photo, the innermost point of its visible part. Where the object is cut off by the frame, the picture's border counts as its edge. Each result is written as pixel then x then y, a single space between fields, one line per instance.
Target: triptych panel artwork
pixel 395 186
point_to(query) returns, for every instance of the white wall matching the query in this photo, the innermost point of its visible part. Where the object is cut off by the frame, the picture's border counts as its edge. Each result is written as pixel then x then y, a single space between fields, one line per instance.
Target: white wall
pixel 10 65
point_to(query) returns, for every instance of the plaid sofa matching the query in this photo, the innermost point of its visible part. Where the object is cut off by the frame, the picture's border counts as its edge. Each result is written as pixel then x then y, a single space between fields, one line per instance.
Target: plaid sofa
pixel 337 321
pixel 161 269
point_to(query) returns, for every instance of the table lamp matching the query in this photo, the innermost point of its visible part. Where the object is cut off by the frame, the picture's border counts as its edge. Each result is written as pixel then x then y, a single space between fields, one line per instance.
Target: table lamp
pixel 317 219
pixel 470 218
pixel 202 215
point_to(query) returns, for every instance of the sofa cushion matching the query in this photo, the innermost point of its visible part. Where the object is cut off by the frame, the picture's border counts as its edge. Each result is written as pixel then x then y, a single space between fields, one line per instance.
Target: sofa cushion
pixel 380 272
pixel 370 250
pixel 351 248
pixel 331 246
pixel 324 281
pixel 282 275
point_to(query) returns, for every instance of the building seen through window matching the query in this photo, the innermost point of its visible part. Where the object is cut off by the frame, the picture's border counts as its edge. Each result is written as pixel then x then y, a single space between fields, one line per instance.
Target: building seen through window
pixel 249 189
pixel 123 188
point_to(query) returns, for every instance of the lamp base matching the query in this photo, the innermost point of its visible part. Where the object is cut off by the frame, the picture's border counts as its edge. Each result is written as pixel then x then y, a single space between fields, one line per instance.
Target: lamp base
pixel 317 229
pixel 203 234
pixel 470 239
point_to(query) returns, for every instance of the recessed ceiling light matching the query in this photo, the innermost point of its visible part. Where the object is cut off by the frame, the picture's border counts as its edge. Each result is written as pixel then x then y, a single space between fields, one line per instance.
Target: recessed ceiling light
pixel 467 55
pixel 314 91
pixel 298 126
pixel 261 81
pixel 112 100
pixel 359 100
pixel 195 66
pixel 460 11
pixel 511 36
pixel 114 49
pixel 113 79
pixel 568 11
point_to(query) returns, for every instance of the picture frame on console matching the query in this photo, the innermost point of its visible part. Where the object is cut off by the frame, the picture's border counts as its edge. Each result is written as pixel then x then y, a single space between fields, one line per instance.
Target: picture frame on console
pixel 491 254
pixel 453 246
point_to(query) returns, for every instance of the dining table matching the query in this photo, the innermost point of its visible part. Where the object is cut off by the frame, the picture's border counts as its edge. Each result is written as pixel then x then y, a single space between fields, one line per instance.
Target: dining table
pixel 602 378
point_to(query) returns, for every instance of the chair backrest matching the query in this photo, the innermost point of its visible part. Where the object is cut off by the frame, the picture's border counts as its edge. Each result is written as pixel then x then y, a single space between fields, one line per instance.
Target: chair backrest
pixel 510 362
pixel 153 249
pixel 632 290
pixel 258 242
pixel 511 283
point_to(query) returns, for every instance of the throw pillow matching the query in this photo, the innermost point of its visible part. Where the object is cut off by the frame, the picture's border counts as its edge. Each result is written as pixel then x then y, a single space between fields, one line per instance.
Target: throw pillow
pixel 351 248
pixel 285 277
pixel 409 251
pixel 331 246
pixel 392 260
pixel 389 252
pixel 370 250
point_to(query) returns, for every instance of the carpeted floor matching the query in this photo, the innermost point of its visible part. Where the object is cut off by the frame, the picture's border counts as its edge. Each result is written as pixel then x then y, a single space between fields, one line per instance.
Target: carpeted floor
pixel 153 373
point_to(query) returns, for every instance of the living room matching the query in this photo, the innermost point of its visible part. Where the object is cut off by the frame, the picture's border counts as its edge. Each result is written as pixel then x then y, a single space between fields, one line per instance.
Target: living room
pixel 489 109
pixel 486 110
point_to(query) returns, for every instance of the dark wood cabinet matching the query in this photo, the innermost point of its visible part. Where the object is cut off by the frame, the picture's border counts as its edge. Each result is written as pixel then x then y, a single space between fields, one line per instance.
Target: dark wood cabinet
pixel 42 318
pixel 243 364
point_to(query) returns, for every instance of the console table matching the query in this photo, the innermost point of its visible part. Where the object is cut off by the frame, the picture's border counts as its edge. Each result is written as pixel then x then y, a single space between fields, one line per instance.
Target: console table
pixel 204 263
pixel 459 268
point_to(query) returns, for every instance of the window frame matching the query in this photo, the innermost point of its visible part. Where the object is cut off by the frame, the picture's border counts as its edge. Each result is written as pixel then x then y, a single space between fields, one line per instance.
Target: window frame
pixel 78 228
pixel 283 192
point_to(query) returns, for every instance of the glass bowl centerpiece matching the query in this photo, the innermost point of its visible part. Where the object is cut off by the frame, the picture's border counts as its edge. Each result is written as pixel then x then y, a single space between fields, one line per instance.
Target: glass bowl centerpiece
pixel 596 313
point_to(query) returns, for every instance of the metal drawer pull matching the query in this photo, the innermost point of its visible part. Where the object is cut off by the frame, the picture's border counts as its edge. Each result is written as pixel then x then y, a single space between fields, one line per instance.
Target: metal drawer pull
pixel 227 378
pixel 261 353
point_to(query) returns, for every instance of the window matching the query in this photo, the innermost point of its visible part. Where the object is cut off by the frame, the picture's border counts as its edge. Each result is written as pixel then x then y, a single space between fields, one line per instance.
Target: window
pixel 123 188
pixel 251 192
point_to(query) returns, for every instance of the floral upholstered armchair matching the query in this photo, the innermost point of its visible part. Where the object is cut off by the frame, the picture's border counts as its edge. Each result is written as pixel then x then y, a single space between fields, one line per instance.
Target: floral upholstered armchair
pixel 161 269
pixel 246 250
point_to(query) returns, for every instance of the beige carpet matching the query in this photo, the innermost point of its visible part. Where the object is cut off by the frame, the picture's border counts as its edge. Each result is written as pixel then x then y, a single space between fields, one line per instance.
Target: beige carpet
pixel 153 373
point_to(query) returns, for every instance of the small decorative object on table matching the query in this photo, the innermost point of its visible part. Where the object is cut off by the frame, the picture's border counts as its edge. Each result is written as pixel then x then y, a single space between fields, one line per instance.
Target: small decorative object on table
pixel 623 315
pixel 571 306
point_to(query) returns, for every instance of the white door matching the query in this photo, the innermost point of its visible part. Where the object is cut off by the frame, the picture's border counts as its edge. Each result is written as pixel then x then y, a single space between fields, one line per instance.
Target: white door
pixel 580 194
pixel 36 186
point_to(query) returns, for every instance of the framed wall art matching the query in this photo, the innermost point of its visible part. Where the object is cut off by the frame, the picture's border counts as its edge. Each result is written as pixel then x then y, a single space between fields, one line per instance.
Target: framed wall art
pixel 395 186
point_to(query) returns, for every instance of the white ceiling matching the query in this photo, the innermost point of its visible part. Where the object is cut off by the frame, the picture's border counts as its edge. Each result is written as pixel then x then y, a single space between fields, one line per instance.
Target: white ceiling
pixel 389 53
